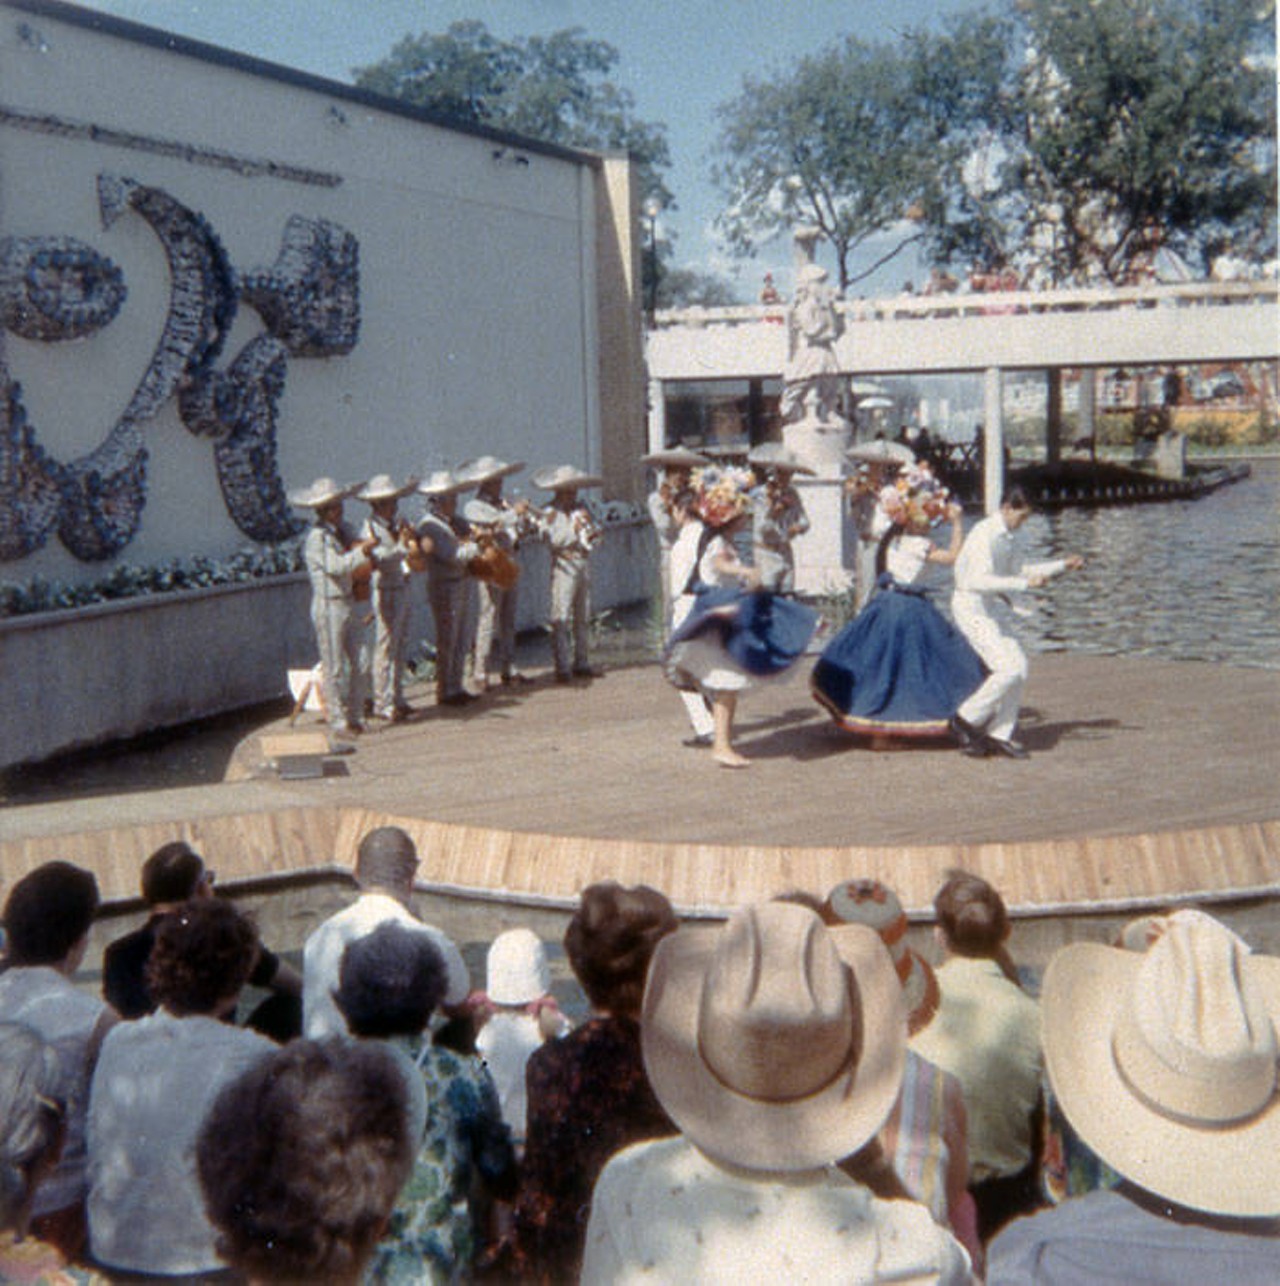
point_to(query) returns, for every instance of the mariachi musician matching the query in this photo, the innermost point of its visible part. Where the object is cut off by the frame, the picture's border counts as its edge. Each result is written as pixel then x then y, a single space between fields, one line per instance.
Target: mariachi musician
pixel 495 635
pixel 777 515
pixel 397 552
pixel 334 557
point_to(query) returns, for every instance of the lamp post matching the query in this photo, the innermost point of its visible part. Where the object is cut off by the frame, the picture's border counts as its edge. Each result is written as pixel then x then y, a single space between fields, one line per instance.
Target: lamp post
pixel 652 208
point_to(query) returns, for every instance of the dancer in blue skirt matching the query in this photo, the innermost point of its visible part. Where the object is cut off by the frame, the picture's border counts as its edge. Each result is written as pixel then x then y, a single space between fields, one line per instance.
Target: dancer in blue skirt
pixel 900 668
pixel 734 635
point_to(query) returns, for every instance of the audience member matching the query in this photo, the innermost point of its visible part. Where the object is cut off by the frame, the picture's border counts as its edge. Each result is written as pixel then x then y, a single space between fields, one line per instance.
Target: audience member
pixel 154 1082
pixel 927 1134
pixel 777 1046
pixel 588 1093
pixel 987 1034
pixel 385 865
pixel 175 873
pixel 301 1159
pixel 1165 1063
pixel 32 1127
pixel 520 1014
pixel 391 981
pixel 47 919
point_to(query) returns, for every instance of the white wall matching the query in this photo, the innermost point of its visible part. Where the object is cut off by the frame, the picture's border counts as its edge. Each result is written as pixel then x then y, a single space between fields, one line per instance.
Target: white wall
pixel 478 275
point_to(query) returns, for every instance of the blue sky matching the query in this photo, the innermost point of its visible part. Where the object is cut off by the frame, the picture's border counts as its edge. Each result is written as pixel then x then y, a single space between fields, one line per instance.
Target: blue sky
pixel 680 59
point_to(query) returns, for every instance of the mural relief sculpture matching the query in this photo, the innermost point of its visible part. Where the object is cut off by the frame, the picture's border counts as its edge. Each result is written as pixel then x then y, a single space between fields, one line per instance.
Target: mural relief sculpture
pixel 55 288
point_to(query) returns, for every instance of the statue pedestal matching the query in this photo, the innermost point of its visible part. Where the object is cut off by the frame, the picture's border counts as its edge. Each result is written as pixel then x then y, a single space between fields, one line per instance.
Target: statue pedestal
pixel 825 554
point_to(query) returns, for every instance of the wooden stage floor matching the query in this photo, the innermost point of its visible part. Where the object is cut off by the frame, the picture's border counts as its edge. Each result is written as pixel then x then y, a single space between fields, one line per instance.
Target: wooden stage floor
pixel 1150 782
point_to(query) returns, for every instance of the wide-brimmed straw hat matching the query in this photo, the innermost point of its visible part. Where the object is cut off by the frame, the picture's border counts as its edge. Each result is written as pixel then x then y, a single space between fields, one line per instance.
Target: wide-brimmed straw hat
pixel 877 906
pixel 516 970
pixel 440 482
pixel 1165 1063
pixel 481 511
pixel 486 468
pixel 563 477
pixel 676 458
pixel 775 1043
pixel 773 455
pixel 383 487
pixel 881 452
pixel 323 491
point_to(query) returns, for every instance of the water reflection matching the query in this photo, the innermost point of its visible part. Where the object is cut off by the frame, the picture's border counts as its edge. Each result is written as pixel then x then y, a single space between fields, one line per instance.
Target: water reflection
pixel 1190 580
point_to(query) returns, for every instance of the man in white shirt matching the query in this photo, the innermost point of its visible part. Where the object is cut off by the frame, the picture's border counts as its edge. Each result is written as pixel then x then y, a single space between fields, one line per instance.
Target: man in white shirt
pixel 385 866
pixel 988 566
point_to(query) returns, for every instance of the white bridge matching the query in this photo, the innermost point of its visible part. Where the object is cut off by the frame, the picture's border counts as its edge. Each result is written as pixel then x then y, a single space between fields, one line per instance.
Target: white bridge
pixel 985 333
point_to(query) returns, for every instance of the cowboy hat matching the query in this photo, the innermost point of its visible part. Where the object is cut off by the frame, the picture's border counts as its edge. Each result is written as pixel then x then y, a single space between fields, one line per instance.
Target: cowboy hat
pixel 382 487
pixel 773 455
pixel 874 904
pixel 440 482
pixel 881 452
pixel 1165 1063
pixel 486 468
pixel 481 511
pixel 676 458
pixel 563 477
pixel 775 1043
pixel 323 491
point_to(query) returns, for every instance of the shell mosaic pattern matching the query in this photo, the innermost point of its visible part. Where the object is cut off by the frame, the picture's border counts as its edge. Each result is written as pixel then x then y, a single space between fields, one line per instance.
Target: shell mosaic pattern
pixel 55 288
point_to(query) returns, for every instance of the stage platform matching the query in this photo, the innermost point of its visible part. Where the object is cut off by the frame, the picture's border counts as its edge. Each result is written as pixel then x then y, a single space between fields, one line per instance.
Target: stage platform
pixel 1150 783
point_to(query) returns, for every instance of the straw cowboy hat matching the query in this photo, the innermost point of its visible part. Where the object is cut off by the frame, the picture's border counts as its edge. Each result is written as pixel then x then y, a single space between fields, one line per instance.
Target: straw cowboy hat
pixel 1165 1063
pixel 486 468
pixel 875 905
pixel 563 477
pixel 481 511
pixel 881 452
pixel 440 482
pixel 382 487
pixel 676 458
pixel 773 455
pixel 775 1043
pixel 323 491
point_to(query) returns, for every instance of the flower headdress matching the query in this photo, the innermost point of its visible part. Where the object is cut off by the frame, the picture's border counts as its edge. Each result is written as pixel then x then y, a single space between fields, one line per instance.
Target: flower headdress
pixel 721 493
pixel 915 497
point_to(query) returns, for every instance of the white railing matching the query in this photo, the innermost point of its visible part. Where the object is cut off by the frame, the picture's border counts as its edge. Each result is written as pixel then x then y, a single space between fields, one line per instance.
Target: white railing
pixel 989 303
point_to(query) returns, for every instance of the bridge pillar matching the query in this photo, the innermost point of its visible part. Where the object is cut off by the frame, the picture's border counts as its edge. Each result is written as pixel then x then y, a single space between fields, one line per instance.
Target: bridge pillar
pixel 993 439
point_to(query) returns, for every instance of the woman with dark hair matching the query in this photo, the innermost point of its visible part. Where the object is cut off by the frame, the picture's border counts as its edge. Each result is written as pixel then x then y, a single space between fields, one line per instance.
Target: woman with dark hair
pixel 155 1080
pixel 900 668
pixel 588 1093
pixel 47 919
pixel 729 635
pixel 301 1159
pixel 390 983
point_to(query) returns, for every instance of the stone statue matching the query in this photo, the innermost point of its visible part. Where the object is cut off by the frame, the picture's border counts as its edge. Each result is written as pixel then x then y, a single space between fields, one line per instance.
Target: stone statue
pixel 811 384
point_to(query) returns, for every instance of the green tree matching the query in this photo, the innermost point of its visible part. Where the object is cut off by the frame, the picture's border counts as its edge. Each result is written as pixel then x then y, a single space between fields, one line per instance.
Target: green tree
pixel 557 88
pixel 868 143
pixel 1140 125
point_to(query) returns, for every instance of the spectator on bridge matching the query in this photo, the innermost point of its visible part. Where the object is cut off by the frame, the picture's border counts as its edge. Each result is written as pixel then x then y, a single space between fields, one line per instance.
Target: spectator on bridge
pixel 987 569
pixel 1165 1063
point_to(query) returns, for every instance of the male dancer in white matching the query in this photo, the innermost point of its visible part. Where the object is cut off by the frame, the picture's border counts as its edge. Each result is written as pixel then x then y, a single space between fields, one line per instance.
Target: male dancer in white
pixel 988 566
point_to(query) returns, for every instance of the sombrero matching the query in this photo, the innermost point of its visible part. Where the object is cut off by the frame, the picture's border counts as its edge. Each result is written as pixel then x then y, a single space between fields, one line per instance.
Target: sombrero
pixel 675 458
pixel 321 492
pixel 383 487
pixel 485 468
pixel 775 1043
pixel 563 477
pixel 881 452
pixel 773 455
pixel 440 482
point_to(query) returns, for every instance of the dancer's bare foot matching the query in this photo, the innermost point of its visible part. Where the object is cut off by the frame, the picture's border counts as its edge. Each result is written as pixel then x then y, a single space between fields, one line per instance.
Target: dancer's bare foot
pixel 730 759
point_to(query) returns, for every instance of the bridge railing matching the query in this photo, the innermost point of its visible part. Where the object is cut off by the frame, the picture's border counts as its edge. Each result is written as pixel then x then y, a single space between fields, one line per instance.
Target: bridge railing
pixel 991 303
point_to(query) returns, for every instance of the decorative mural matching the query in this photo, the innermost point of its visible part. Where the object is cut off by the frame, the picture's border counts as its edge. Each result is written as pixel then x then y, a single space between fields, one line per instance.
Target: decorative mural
pixel 54 289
